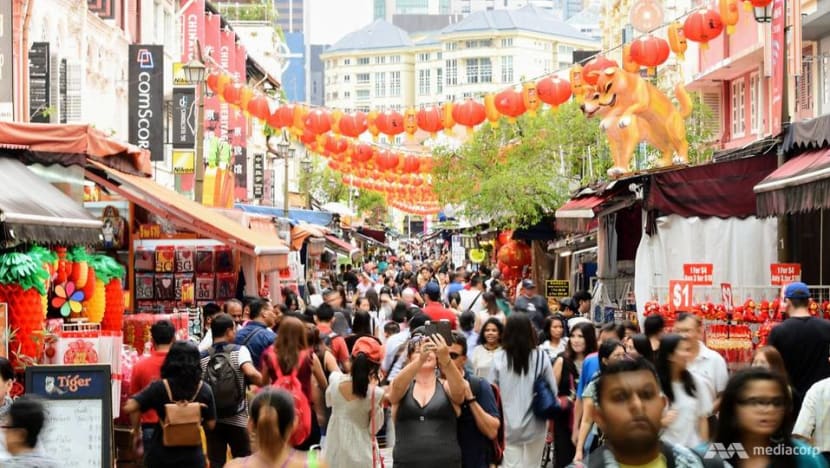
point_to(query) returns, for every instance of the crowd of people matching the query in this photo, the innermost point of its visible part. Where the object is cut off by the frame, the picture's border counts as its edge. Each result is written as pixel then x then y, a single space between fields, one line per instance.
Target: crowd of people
pixel 442 366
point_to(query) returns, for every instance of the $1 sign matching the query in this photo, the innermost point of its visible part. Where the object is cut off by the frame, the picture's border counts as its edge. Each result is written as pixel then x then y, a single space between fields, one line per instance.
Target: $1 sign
pixel 680 295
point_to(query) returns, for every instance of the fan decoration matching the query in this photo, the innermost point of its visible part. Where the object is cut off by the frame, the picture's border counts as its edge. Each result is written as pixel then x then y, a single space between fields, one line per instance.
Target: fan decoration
pixel 68 299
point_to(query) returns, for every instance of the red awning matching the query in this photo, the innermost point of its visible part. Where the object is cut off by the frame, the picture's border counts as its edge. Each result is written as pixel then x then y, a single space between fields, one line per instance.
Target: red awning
pixel 344 247
pixel 800 184
pixel 585 207
pixel 72 139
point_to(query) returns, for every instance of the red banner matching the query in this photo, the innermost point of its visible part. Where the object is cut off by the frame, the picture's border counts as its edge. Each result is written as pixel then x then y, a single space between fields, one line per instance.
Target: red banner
pixel 784 273
pixel 239 124
pixel 680 295
pixel 193 28
pixel 212 45
pixel 698 273
pixel 779 17
pixel 227 50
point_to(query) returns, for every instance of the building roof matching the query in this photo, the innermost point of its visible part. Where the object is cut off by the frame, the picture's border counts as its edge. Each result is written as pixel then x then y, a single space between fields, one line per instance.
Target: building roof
pixel 430 38
pixel 589 16
pixel 378 35
pixel 527 18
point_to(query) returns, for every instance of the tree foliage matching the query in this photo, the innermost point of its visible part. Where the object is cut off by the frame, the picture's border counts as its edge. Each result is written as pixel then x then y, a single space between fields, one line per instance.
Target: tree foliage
pixel 327 186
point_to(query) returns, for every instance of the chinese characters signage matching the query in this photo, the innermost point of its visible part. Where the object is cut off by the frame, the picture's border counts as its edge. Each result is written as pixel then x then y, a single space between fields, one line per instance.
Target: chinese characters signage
pixel 259 175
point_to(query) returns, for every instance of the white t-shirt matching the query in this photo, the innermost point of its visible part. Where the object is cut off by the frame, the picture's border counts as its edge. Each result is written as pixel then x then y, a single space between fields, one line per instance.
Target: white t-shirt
pixel 471 299
pixel 483 360
pixel 710 366
pixel 684 429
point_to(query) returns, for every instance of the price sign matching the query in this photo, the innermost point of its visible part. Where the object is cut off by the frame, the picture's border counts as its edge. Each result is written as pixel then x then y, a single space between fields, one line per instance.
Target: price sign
pixel 726 295
pixel 784 273
pixel 680 295
pixel 698 273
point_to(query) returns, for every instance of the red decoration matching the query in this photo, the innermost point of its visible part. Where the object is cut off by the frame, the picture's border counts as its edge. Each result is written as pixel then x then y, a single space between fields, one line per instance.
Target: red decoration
pixel 702 26
pixel 650 51
pixel 469 113
pixel 352 125
pixel 213 81
pixel 317 121
pixel 429 120
pixel 515 254
pixel 592 69
pixel 363 153
pixel 233 93
pixel 258 107
pixel 510 103
pixel 387 160
pixel 553 90
pixel 390 123
pixel 221 82
pixel 505 237
pixel 760 3
pixel 411 164
pixel 282 117
pixel 336 145
pixel 308 137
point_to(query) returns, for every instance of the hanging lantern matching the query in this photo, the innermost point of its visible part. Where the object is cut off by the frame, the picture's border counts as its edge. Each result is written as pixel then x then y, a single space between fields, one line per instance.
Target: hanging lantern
pixel 530 97
pixel 308 137
pixel 223 81
pixel 677 40
pixel 510 103
pixel 386 160
pixel 336 144
pixel 390 123
pixel 577 83
pixel 730 14
pixel 245 96
pixel 363 153
pixel 372 124
pixel 702 26
pixel 429 120
pixel 515 254
pixel 446 117
pixel 411 164
pixel 490 112
pixel 282 117
pixel 336 115
pixel 318 121
pixel 646 16
pixel 592 69
pixel 650 51
pixel 298 126
pixel 410 123
pixel 232 93
pixel 629 64
pixel 353 125
pixel 258 107
pixel 554 91
pixel 469 113
pixel 212 81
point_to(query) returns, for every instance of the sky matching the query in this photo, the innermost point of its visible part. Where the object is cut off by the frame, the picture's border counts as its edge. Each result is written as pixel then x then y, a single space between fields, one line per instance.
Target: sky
pixel 333 19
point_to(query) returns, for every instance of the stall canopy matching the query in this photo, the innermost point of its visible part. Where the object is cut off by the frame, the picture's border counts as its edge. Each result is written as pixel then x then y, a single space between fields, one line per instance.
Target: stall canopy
pixel 809 134
pixel 339 245
pixel 801 184
pixel 69 144
pixel 581 212
pixel 33 210
pixel 271 253
pixel 301 232
pixel 296 216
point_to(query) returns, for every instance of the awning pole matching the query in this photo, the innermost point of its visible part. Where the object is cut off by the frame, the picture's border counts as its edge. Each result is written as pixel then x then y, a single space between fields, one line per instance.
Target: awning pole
pixel 821 246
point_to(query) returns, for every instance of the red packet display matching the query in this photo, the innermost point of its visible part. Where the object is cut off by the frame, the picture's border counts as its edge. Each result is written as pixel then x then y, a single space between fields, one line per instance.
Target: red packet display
pixel 165 287
pixel 205 259
pixel 165 259
pixel 144 286
pixel 181 280
pixel 79 347
pixel 185 257
pixel 145 260
pixel 224 259
pixel 204 287
pixel 145 307
pixel 225 286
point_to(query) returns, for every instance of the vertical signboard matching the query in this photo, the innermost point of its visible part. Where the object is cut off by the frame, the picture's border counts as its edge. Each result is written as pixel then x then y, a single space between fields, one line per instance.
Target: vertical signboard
pixel 212 45
pixel 146 98
pixel 240 134
pixel 193 28
pixel 6 63
pixel 779 17
pixel 227 49
pixel 39 83
pixel 184 117
pixel 259 176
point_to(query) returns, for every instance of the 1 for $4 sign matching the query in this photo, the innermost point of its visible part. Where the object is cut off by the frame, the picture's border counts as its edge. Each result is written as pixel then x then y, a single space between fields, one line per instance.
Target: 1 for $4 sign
pixel 680 295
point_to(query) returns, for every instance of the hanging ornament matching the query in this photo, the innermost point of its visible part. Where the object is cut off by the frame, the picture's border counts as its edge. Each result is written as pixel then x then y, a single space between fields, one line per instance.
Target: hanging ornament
pixel 282 117
pixel 592 69
pixel 730 14
pixel 298 126
pixel 677 40
pixel 258 107
pixel 702 26
pixel 212 81
pixel 554 91
pixel 410 123
pixel 353 125
pixel 429 120
pixel 221 82
pixel 646 16
pixel 530 97
pixel 411 164
pixel 232 93
pixel 335 144
pixel 245 96
pixel 510 103
pixel 490 112
pixel 372 122
pixel 318 121
pixel 650 51
pixel 386 160
pixel 390 123
pixel 446 117
pixel 629 64
pixel 577 83
pixel 336 115
pixel 469 113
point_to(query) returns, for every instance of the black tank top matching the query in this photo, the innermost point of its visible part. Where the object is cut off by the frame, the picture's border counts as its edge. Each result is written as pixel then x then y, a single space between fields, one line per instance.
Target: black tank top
pixel 426 437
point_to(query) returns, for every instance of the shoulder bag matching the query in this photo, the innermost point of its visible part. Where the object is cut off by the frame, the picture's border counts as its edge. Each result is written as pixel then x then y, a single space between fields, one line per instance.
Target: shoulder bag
pixel 182 425
pixel 545 404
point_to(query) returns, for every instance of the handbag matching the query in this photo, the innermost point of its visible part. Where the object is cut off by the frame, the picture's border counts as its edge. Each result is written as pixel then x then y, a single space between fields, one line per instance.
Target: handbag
pixel 182 425
pixel 545 405
pixel 377 458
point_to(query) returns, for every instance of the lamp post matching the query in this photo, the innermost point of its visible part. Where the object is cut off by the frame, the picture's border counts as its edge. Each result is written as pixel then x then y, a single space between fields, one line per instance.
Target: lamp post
pixel 307 166
pixel 194 72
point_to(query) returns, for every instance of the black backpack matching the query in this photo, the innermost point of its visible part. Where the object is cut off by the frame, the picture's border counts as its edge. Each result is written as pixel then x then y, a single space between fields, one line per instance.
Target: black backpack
pixel 223 380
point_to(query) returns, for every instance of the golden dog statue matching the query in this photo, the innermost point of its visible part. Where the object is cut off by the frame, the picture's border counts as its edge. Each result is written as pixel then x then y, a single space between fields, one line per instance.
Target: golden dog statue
pixel 634 110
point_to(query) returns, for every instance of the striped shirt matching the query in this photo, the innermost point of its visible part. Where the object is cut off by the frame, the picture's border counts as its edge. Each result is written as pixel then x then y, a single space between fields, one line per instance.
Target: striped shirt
pixel 239 357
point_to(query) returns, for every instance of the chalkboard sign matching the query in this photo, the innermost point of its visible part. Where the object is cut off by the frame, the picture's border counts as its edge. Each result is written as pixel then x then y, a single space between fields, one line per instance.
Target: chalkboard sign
pixel 79 412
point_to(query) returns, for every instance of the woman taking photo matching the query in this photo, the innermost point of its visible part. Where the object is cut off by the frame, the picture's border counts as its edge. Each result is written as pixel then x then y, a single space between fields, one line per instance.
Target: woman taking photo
pixel 686 421
pixel 181 380
pixel 426 407
pixel 515 369
pixel 272 420
pixel 357 413
pixel 489 343
pixel 553 337
pixel 566 368
pixel 756 413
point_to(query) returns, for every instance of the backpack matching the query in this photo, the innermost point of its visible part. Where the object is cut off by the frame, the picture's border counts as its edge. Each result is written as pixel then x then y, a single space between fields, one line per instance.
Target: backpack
pixel 302 408
pixel 223 380
pixel 182 425
pixel 498 445
pixel 326 338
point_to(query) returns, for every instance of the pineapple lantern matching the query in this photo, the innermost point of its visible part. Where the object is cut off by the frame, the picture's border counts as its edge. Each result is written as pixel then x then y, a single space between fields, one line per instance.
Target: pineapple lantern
pixel 106 304
pixel 22 286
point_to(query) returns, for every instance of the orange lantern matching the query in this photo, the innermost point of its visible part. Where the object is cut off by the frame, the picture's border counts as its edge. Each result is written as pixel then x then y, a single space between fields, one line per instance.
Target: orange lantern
pixel 650 51
pixel 336 145
pixel 446 117
pixel 212 81
pixel 577 83
pixel 318 121
pixel 258 107
pixel 410 123
pixel 429 120
pixel 308 137
pixel 352 125
pixel 469 113
pixel 515 254
pixel 677 40
pixel 411 164
pixel 298 126
pixel 223 81
pixel 510 103
pixel 490 112
pixel 232 93
pixel 245 96
pixel 386 160
pixel 702 26
pixel 592 69
pixel 363 153
pixel 390 123
pixel 629 64
pixel 530 97
pixel 372 124
pixel 729 14
pixel 553 91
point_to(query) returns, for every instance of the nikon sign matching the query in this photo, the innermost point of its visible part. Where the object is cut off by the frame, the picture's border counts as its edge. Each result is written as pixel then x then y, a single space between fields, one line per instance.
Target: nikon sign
pixel 147 99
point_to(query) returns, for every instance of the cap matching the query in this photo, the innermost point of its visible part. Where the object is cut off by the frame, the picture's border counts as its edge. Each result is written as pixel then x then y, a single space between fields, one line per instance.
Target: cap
pixel 368 346
pixel 528 284
pixel 432 288
pixel 797 290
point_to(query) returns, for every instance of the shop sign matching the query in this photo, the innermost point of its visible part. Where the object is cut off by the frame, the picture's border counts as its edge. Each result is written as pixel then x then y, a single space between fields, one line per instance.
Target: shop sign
pixel 149 231
pixel 784 273
pixel 192 28
pixel 557 288
pixel 698 273
pixel 6 63
pixel 184 161
pixel 680 295
pixel 259 175
pixel 726 296
pixel 184 117
pixel 146 99
pixel 458 252
pixel 39 74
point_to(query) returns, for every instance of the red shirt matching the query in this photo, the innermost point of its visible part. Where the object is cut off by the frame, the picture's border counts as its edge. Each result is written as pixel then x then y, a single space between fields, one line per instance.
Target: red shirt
pixel 338 344
pixel 146 371
pixel 437 312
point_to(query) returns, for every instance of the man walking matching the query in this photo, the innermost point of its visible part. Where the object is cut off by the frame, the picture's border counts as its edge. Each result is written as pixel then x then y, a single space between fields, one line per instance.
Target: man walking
pixel 147 370
pixel 257 335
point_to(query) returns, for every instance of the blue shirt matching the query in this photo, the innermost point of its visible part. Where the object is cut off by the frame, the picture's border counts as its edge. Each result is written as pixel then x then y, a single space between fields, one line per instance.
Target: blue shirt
pixel 474 445
pixel 590 367
pixel 258 343
pixel 453 288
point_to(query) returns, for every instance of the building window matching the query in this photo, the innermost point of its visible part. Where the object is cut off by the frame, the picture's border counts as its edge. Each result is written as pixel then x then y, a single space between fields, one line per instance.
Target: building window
pixel 380 60
pixel 363 61
pixel 450 46
pixel 507 69
pixel 347 95
pixel 423 82
pixel 347 61
pixel 738 107
pixel 755 103
pixel 472 70
pixel 548 65
pixel 395 83
pixel 452 72
pixel 479 70
pixel 439 80
pixel 507 42
pixel 347 78
pixel 423 57
pixel 439 55
pixel 363 94
pixel 564 55
pixel 362 78
pixel 479 43
pixel 394 59
pixel 380 84
pixel 364 109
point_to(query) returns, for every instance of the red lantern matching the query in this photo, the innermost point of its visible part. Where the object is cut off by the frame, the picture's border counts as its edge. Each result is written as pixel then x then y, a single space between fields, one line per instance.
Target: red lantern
pixel 258 107
pixel 411 164
pixel 232 93
pixel 553 91
pixel 223 81
pixel 386 160
pixel 510 103
pixel 336 145
pixel 470 113
pixel 592 69
pixel 505 237
pixel 429 120
pixel 282 117
pixel 702 26
pixel 650 51
pixel 353 125
pixel 308 137
pixel 318 122
pixel 363 153
pixel 390 123
pixel 213 81
pixel 760 3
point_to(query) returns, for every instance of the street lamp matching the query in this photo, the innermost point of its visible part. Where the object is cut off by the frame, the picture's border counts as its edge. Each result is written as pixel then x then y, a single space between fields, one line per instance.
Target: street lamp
pixel 194 73
pixel 763 14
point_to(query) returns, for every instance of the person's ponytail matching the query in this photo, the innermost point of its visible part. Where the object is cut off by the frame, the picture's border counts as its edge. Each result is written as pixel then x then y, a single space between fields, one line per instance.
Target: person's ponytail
pixel 267 428
pixel 361 369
